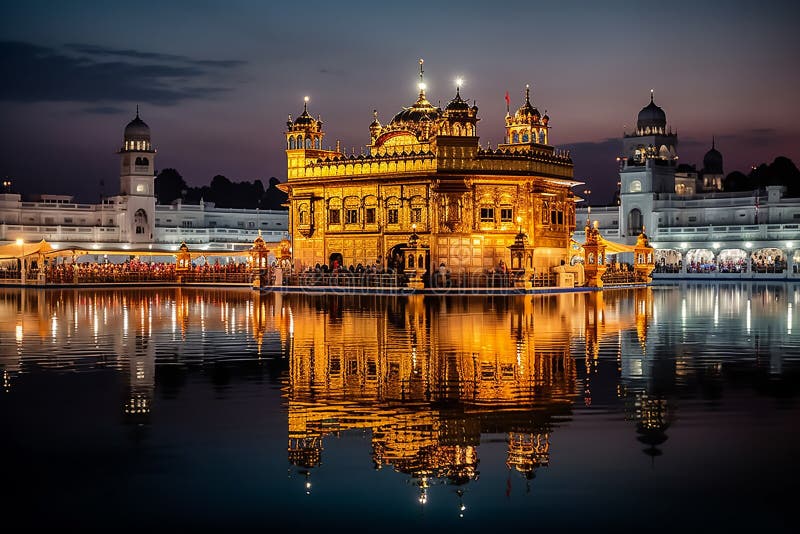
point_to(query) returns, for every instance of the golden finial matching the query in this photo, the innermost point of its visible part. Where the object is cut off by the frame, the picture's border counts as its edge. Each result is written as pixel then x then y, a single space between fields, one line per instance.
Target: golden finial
pixel 527 93
pixel 305 103
pixel 421 79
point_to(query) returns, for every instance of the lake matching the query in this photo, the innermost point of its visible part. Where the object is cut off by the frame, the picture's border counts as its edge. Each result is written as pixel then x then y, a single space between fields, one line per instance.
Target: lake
pixel 667 407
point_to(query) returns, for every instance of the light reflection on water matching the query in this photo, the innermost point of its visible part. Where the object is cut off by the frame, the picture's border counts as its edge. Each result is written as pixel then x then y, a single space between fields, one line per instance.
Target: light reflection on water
pixel 226 408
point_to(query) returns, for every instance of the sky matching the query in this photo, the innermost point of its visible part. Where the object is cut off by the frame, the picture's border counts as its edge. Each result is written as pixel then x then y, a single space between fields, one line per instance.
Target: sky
pixel 215 81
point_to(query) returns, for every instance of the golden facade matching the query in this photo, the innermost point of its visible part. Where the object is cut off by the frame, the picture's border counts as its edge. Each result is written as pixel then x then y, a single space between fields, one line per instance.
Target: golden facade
pixel 426 171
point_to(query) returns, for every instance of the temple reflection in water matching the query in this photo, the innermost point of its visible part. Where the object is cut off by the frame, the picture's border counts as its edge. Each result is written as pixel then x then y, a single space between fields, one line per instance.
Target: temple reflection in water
pixel 429 378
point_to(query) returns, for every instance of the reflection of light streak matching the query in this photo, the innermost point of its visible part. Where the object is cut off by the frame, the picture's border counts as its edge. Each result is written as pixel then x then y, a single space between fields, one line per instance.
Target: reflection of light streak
pixel 18 333
pixel 789 319
pixel 716 310
pixel 748 316
pixel 683 313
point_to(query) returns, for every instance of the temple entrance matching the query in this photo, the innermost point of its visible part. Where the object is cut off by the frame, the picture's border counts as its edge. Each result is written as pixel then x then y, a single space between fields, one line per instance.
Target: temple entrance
pixel 394 258
pixel 335 261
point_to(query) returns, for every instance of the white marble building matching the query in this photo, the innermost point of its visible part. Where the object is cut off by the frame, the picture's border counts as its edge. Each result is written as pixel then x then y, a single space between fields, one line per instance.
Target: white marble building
pixel 695 227
pixel 132 219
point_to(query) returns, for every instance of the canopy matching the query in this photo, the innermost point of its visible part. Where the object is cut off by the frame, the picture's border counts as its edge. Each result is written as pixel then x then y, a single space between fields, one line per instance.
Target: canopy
pixel 13 251
pixel 615 248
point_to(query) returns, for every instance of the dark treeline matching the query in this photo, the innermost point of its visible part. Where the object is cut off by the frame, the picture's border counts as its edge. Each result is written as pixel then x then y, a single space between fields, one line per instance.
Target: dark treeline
pixel 782 171
pixel 170 186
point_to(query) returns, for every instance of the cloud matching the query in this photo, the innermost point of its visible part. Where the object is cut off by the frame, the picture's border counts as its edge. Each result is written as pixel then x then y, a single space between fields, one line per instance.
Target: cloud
pixel 93 74
pixel 94 50
pixel 104 110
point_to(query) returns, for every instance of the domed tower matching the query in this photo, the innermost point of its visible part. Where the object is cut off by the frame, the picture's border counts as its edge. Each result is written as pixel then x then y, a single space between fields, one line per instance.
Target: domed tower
pixel 304 138
pixel 374 127
pixel 651 140
pixel 647 168
pixel 422 118
pixel 713 173
pixel 460 119
pixel 137 182
pixel 527 126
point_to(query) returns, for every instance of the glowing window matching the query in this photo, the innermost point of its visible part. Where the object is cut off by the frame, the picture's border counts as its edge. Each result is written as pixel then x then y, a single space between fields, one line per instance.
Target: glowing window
pixel 635 187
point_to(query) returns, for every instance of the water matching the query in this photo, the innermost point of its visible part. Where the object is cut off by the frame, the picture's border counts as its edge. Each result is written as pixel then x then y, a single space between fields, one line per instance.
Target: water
pixel 661 408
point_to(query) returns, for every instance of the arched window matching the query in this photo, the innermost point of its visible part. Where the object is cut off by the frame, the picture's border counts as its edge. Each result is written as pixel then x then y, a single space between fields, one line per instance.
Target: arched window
pixel 308 142
pixel 634 222
pixel 142 161
pixel 316 143
pixel 291 143
pixel 542 139
pixel 515 137
pixel 525 137
pixel 140 221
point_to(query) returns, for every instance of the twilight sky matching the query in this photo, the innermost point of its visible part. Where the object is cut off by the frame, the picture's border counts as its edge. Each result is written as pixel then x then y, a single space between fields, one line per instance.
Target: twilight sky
pixel 216 80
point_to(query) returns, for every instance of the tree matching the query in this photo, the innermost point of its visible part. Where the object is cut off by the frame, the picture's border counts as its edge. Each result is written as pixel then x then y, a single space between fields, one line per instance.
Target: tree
pixel 735 181
pixel 274 198
pixel 169 185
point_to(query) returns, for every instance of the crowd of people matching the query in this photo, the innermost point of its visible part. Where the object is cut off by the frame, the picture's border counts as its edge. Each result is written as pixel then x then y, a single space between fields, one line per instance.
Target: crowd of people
pixel 353 275
pixel 132 270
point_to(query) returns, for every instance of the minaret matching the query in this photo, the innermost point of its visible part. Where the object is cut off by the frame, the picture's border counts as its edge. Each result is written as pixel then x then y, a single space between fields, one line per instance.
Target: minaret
pixel 648 169
pixel 137 159
pixel 137 183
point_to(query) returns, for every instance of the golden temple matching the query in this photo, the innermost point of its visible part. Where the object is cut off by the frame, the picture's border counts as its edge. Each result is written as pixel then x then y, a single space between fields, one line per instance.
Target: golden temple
pixel 425 172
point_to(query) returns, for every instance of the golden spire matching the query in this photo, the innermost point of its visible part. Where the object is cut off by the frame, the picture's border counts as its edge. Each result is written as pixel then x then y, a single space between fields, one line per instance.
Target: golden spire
pixel 421 84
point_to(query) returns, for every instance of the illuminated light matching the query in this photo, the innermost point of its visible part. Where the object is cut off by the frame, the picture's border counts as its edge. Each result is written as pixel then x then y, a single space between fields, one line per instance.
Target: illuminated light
pixel 748 245
pixel 422 86
pixel 306 99
pixel 715 246
pixel 95 246
pixel 683 246
pixel 20 242
pixel 126 247
pixel 459 81
pixel 789 245
pixel 18 333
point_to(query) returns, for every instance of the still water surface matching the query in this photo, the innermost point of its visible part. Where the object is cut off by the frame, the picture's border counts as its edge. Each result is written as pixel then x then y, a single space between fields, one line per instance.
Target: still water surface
pixel 661 408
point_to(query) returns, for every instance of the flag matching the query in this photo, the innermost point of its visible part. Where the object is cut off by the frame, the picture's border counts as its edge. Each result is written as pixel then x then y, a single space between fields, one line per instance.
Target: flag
pixel 508 102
